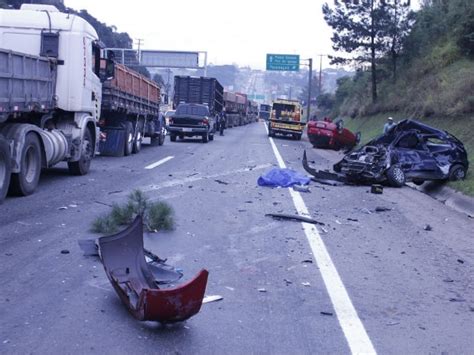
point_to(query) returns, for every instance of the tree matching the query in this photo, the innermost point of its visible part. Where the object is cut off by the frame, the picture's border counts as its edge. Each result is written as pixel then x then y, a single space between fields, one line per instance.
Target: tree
pixel 358 28
pixel 398 22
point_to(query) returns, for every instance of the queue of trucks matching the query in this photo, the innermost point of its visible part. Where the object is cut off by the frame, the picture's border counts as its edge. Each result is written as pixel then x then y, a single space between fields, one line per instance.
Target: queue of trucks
pixel 64 99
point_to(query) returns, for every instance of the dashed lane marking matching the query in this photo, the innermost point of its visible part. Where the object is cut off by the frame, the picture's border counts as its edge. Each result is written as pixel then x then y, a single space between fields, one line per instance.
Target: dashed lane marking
pixel 159 162
pixel 354 331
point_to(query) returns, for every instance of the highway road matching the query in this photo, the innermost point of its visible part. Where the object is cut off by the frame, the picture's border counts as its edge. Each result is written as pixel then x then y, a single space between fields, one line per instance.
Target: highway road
pixel 366 281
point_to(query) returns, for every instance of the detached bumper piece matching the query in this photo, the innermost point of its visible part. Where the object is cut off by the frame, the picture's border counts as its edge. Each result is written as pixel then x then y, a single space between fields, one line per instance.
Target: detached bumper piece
pixel 133 279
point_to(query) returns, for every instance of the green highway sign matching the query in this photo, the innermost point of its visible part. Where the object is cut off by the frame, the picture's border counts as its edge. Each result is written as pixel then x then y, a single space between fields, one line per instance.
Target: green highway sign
pixel 283 62
pixel 256 97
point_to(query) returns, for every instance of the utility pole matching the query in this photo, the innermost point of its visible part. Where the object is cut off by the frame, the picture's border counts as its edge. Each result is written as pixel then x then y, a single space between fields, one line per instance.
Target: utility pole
pixel 320 72
pixel 139 43
pixel 310 60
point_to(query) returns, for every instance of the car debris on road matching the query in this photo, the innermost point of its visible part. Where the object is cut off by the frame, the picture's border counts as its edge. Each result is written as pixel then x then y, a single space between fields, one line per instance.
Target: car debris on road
pixel 123 257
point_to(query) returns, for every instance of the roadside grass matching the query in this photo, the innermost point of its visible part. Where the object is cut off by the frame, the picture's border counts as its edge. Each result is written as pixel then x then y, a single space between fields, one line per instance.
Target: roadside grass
pixel 156 215
pixel 461 127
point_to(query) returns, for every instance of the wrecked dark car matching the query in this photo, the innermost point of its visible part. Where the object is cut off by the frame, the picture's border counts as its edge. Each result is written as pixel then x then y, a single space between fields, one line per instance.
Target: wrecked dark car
pixel 410 151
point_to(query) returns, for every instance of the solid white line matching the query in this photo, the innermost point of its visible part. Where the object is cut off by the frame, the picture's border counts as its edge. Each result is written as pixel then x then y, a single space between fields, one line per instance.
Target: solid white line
pixel 159 162
pixel 354 331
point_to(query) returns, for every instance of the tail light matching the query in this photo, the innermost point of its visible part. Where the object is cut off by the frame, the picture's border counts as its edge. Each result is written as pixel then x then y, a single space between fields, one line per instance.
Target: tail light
pixel 205 121
pixel 170 121
pixel 101 122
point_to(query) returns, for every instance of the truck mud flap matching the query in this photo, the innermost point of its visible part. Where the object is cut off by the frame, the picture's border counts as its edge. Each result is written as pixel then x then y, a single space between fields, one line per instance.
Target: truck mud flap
pixel 112 142
pixel 324 177
pixel 124 262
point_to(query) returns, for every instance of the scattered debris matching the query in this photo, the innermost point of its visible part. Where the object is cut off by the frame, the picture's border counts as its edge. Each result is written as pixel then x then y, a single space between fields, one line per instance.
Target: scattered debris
pixel 353 219
pixel 62 208
pixel 457 300
pixel 221 182
pixel 213 298
pixel 115 192
pixel 460 261
pixel 366 211
pixel 428 228
pixel 65 251
pixel 73 205
pixel 448 280
pixel 294 218
pixel 326 313
pixel 382 209
pixel 376 189
pixel 123 257
pixel 262 290
pixel 393 323
pixel 288 282
pixel 307 261
pixel 307 284
pixel 323 177
pixel 338 222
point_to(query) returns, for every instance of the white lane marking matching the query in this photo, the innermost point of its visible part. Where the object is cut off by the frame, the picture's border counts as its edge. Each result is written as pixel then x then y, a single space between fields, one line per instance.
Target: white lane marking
pixel 159 162
pixel 354 331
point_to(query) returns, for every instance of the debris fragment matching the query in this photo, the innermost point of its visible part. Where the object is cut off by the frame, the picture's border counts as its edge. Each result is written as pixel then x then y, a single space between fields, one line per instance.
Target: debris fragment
pixel 307 261
pixel 326 313
pixel 288 282
pixel 460 261
pixel 393 323
pixel 221 182
pixel 64 251
pixel 62 208
pixel 448 280
pixel 213 298
pixel 294 217
pixel 457 299
pixel 262 290
pixel 428 228
pixel 376 189
pixel 115 192
pixel 382 209
pixel 307 284
pixel 353 219
pixel 301 188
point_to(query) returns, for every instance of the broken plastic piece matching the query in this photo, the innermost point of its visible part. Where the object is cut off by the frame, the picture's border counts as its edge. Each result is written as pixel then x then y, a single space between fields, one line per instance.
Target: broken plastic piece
pixel 323 177
pixel 125 265
pixel 376 189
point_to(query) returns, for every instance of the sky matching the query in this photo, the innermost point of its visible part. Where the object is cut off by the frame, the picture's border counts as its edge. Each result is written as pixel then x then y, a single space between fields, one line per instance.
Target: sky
pixel 238 32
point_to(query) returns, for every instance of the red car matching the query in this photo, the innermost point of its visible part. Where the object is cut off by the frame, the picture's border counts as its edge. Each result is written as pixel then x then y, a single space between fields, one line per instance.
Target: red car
pixel 333 135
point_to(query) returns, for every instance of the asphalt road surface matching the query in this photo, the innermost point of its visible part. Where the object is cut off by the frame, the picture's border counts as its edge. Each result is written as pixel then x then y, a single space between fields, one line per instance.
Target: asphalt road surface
pixel 366 281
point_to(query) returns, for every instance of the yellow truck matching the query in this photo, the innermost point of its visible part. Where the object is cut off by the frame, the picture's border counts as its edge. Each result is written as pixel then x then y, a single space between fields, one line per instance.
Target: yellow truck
pixel 286 119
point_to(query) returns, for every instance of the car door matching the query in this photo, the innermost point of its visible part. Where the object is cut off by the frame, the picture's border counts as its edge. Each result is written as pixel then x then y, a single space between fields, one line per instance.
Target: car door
pixel 414 157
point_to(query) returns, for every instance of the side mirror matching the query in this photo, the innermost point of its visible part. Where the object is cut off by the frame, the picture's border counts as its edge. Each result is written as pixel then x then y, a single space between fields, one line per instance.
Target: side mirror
pixel 110 69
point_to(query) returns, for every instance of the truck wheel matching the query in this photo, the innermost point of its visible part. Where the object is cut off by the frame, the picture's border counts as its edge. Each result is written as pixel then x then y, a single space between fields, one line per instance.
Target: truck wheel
pixel 25 182
pixel 137 141
pixel 81 167
pixel 211 137
pixel 128 138
pixel 161 139
pixel 205 137
pixel 172 137
pixel 395 176
pixel 5 169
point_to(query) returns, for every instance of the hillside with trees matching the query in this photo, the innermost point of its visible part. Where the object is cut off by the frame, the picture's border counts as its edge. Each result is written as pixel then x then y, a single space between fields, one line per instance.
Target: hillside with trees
pixel 418 64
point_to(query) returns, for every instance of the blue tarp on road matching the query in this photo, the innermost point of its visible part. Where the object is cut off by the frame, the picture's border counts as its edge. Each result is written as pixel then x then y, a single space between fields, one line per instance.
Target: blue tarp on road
pixel 283 178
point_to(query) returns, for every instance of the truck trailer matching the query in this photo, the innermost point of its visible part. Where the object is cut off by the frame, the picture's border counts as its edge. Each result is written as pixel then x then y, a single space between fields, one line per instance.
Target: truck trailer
pixel 130 111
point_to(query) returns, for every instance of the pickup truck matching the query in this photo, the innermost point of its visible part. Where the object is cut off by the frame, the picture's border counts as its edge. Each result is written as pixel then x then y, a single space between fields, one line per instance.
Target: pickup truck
pixel 192 120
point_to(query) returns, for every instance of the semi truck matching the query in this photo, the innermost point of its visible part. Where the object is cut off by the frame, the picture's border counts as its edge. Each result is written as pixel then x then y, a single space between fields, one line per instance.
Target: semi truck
pixel 264 111
pixel 197 91
pixel 286 119
pixel 52 67
pixel 231 109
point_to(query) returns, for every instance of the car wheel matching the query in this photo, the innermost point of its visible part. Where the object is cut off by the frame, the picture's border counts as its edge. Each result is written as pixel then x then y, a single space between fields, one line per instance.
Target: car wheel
pixel 211 137
pixel 128 147
pixel 205 137
pixel 162 138
pixel 457 172
pixel 395 176
pixel 5 169
pixel 172 137
pixel 25 182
